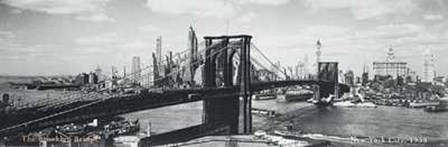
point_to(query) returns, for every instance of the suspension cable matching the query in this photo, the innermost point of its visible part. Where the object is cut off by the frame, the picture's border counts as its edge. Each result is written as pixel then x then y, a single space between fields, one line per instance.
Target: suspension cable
pixel 267 59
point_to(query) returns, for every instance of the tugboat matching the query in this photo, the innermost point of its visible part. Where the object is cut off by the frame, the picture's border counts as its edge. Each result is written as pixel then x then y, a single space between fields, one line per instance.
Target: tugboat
pixel 296 94
pixel 422 104
pixel 265 95
pixel 442 107
pixel 129 127
pixel 122 127
pixel 72 129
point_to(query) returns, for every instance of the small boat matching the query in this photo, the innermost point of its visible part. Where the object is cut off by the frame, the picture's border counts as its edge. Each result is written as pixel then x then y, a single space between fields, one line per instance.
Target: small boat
pixel 435 109
pixel 122 127
pixel 72 129
pixel 265 95
pixel 264 112
pixel 422 105
pixel 296 94
pixel 441 107
pixel 129 127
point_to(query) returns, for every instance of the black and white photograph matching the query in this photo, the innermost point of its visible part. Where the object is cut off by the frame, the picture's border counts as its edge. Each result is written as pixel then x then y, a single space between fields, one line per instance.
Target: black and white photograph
pixel 223 73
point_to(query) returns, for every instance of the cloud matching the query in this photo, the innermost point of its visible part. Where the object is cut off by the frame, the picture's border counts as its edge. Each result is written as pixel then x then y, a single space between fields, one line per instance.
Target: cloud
pixel 109 43
pixel 397 30
pixel 433 17
pixel 8 40
pixel 208 8
pixel 423 38
pixel 150 28
pixel 367 8
pixel 36 59
pixel 93 10
pixel 135 45
pixel 334 39
pixel 6 34
pixel 320 31
pixel 247 17
pixel 202 8
pixel 99 17
pixel 107 38
pixel 12 45
pixel 59 6
pixel 264 2
pixel 13 49
pixel 15 11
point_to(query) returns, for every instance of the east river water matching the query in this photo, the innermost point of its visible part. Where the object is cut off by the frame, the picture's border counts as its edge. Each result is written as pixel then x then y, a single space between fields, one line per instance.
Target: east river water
pixel 331 122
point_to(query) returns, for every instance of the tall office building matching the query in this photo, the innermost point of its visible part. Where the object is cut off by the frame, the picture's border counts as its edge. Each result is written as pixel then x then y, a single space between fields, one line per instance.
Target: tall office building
pixel 277 68
pixel 318 54
pixel 349 78
pixel 365 75
pixel 159 56
pixel 114 72
pixel 99 73
pixel 428 66
pixel 193 48
pixel 159 48
pixel 136 70
pixel 390 67
pixel 306 67
pixel 301 70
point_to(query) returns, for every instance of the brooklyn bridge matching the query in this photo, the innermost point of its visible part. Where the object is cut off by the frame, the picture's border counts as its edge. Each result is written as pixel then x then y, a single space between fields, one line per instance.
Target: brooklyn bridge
pixel 230 75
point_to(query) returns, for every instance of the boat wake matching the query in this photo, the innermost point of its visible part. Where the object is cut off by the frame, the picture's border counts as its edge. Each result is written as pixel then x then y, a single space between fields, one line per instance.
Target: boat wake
pixel 336 138
pixel 350 104
pixel 365 139
pixel 379 140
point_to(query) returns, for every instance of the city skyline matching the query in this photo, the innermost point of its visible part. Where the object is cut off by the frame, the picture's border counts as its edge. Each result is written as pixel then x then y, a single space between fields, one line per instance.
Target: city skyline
pixel 68 37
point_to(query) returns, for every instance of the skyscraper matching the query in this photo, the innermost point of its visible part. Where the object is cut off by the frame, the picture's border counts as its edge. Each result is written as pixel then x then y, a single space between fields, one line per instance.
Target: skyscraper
pixel 318 52
pixel 365 75
pixel 301 71
pixel 99 73
pixel 315 66
pixel 428 66
pixel 306 67
pixel 136 70
pixel 159 49
pixel 193 47
pixel 155 70
pixel 114 72
pixel 114 77
pixel 349 77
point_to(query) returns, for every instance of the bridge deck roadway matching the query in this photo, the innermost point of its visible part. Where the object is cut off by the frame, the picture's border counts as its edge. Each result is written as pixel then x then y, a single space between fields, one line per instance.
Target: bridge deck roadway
pixel 132 103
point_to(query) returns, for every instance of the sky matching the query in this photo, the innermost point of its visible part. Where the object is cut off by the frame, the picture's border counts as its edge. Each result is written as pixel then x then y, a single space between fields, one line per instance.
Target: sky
pixel 60 37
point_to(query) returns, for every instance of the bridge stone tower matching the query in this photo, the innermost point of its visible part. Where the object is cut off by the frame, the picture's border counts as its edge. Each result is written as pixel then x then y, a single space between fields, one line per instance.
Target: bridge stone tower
pixel 328 72
pixel 233 110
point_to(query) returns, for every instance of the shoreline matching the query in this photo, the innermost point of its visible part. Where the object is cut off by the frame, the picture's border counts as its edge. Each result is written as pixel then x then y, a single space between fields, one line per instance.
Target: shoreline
pixel 279 123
